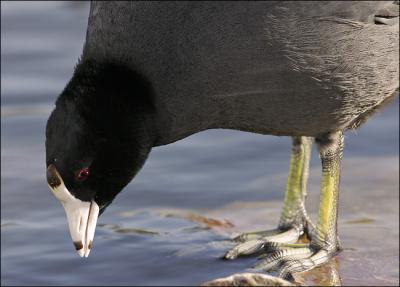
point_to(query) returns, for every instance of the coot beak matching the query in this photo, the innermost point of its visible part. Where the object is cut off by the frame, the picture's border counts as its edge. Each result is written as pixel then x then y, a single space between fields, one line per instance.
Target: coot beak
pixel 82 215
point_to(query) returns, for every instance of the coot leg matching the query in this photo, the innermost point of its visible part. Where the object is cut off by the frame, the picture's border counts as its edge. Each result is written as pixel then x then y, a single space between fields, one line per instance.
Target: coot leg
pixel 294 220
pixel 324 241
pixel 281 251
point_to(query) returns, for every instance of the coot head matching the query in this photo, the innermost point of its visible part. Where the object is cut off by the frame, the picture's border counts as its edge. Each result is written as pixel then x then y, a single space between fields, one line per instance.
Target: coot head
pixel 97 138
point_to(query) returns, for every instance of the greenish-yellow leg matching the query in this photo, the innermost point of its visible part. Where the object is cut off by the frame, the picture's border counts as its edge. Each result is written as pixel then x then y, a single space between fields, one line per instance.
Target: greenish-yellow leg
pixel 324 243
pixel 288 257
pixel 294 212
pixel 294 218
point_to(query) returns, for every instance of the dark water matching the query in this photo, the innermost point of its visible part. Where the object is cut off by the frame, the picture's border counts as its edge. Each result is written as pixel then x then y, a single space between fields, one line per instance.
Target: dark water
pixel 171 224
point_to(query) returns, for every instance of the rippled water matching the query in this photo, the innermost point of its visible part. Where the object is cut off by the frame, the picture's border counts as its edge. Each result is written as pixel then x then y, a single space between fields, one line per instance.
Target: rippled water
pixel 172 223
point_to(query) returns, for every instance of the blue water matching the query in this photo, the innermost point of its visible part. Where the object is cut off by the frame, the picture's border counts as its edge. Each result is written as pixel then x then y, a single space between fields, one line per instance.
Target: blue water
pixel 147 236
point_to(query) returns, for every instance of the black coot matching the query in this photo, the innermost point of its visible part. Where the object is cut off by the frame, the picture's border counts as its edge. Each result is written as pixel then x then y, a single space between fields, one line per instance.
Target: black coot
pixel 152 73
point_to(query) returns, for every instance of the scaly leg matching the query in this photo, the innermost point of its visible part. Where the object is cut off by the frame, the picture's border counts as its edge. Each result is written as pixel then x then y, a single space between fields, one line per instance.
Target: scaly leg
pixel 324 241
pixel 294 220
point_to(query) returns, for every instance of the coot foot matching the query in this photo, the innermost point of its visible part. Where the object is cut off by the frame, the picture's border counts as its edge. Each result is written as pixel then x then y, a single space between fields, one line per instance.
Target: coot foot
pixel 282 253
pixel 294 221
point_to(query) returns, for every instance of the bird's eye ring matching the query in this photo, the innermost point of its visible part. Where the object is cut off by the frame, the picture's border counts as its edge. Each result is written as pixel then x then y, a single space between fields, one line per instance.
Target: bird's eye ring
pixel 82 174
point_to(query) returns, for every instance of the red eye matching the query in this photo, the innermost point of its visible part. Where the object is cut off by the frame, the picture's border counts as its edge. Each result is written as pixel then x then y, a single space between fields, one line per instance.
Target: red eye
pixel 82 174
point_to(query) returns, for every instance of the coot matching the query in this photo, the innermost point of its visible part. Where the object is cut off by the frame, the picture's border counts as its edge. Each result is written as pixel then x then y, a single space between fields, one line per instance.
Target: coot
pixel 152 73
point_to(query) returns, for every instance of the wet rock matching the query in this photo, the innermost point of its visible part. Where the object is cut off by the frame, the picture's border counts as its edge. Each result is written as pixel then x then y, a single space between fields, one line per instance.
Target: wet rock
pixel 249 279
